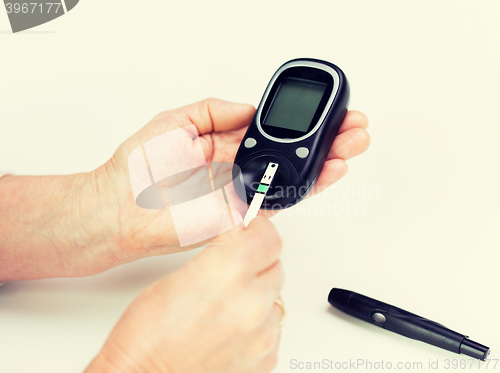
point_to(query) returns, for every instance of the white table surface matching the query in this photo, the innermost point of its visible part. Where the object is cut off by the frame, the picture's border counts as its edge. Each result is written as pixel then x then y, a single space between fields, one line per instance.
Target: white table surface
pixel 414 223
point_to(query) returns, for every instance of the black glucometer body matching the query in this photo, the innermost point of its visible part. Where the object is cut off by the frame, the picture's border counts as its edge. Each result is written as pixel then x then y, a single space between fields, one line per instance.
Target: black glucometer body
pixel 295 124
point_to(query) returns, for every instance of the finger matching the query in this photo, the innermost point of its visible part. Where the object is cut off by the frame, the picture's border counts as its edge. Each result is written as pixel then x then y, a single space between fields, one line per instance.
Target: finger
pixel 246 254
pixel 262 245
pixel 270 283
pixel 268 362
pixel 230 141
pixel 213 115
pixel 332 171
pixel 265 340
pixel 257 247
pixel 353 119
pixel 349 144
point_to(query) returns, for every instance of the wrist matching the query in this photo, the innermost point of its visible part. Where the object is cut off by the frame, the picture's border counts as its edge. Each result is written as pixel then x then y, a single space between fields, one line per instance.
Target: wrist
pixel 93 213
pixel 53 226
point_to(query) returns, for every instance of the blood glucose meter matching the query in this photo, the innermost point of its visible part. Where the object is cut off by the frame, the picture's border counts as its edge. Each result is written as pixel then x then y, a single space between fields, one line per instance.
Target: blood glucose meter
pixel 294 127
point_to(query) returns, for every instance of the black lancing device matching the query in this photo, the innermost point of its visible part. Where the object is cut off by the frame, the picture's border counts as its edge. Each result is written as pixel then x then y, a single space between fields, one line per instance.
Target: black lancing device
pixel 405 323
pixel 295 124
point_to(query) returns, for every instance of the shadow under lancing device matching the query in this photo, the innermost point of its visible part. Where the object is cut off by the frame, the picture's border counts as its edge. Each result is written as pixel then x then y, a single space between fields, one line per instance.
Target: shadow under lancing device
pixel 405 323
pixel 294 126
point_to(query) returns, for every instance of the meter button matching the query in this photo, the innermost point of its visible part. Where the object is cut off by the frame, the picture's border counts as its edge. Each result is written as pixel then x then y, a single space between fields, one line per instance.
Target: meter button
pixel 302 152
pixel 250 142
pixel 378 317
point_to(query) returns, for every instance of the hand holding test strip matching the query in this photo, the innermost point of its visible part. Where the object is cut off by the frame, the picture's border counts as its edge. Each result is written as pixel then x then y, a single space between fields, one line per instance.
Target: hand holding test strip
pixel 260 194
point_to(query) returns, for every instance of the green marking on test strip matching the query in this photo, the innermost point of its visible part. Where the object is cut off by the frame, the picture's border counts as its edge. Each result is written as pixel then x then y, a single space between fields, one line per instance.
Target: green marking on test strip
pixel 262 188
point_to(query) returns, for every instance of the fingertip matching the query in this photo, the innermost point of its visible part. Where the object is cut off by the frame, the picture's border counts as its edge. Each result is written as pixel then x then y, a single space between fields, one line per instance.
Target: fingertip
pixel 261 231
pixel 214 115
pixel 354 119
pixel 337 166
pixel 333 171
pixel 237 109
pixel 342 168
pixel 243 110
pixel 360 118
pixel 241 114
pixel 259 219
pixel 261 223
pixel 349 144
pixel 368 140
pixel 362 139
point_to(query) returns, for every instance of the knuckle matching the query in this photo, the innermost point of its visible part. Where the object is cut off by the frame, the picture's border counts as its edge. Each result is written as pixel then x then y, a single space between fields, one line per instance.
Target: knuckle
pixel 202 109
pixel 215 268
pixel 270 362
pixel 235 267
pixel 163 116
pixel 263 345
pixel 209 104
pixel 233 276
pixel 253 314
pixel 267 340
pixel 210 100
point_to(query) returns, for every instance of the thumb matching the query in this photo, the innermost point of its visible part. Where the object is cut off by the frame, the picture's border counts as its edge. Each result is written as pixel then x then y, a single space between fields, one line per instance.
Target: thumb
pixel 248 252
pixel 213 115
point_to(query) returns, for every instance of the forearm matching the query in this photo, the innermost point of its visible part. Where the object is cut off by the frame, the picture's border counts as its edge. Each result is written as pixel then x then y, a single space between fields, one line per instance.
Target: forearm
pixel 53 226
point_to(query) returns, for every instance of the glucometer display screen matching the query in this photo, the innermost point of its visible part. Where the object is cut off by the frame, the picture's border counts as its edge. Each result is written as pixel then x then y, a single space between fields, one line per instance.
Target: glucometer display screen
pixel 294 104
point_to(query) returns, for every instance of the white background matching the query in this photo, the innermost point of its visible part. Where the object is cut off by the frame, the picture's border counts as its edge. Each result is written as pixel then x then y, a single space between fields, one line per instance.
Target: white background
pixel 426 73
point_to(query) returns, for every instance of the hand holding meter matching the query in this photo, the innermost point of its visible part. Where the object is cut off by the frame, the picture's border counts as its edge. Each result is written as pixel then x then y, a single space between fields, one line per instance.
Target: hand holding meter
pixel 294 127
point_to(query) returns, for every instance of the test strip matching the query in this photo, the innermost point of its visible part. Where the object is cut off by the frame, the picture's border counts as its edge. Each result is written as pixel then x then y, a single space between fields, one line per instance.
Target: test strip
pixel 260 194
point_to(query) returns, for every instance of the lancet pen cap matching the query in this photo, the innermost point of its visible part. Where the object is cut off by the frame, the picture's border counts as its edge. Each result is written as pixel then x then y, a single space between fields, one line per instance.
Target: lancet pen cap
pixel 339 298
pixel 474 349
